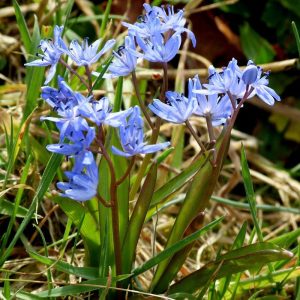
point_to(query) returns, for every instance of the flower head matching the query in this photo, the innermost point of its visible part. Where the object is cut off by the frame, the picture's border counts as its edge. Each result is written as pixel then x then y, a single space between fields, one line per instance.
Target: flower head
pixel 52 51
pixel 157 50
pixel 216 108
pixel 85 54
pixel 158 20
pixel 177 108
pixel 258 81
pixel 125 59
pixel 100 112
pixel 132 137
pixel 82 185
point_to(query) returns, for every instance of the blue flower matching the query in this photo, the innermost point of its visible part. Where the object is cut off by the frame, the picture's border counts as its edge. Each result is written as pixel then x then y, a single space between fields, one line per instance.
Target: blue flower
pixel 177 108
pixel 100 112
pixel 86 54
pixel 259 84
pixel 172 20
pixel 52 51
pixel 132 137
pixel 237 83
pixel 59 98
pixel 125 59
pixel 80 144
pixel 157 20
pixel 157 50
pixel 216 108
pixel 227 81
pixel 82 185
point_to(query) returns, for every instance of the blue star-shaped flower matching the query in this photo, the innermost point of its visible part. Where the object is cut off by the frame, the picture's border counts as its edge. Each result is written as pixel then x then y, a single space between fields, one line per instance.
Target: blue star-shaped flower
pixel 52 51
pixel 85 54
pixel 132 137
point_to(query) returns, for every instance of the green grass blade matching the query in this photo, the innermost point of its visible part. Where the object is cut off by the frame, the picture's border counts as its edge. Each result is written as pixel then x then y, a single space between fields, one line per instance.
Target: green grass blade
pixel 297 37
pixel 99 81
pixel 34 75
pixel 83 287
pixel 84 272
pixel 266 280
pixel 46 180
pixel 250 193
pixel 105 19
pixel 175 248
pixel 263 207
pixel 287 239
pixel 250 257
pixel 49 274
pixel 25 36
pixel 238 243
pixel 16 204
pixel 6 290
pixel 7 208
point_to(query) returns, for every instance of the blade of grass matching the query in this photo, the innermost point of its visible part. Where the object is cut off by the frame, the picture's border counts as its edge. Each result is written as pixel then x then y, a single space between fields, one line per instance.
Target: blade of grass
pixel 84 272
pixel 238 243
pixel 16 204
pixel 25 36
pixel 49 274
pixel 250 193
pixel 99 81
pixel 297 37
pixel 46 180
pixel 105 18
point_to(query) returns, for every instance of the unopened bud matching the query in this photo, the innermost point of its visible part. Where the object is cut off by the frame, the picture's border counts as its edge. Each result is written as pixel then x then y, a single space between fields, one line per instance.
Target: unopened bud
pixel 250 74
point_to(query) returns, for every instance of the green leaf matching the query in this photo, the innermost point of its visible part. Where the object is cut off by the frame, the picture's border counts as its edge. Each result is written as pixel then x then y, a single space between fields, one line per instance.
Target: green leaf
pixel 197 198
pixel 101 71
pixel 91 238
pixel 297 37
pixel 251 257
pixel 267 280
pixel 175 248
pixel 8 207
pixel 34 75
pixel 238 243
pixel 176 183
pixel 25 36
pixel 84 272
pixel 287 239
pixel 250 193
pixel 83 287
pixel 48 175
pixel 254 46
pixel 105 19
pixel 137 220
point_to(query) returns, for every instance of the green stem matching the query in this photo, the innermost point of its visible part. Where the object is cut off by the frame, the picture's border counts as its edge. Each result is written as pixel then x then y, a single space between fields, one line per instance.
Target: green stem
pixel 141 102
pixel 83 81
pixel 113 204
pixel 88 73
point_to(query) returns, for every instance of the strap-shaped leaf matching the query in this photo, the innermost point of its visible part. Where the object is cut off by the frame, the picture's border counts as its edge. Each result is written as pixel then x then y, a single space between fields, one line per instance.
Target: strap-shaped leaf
pixel 137 219
pixel 175 248
pixel 251 257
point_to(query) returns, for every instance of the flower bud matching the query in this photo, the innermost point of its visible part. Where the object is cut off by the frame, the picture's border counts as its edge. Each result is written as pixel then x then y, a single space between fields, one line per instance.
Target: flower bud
pixel 249 75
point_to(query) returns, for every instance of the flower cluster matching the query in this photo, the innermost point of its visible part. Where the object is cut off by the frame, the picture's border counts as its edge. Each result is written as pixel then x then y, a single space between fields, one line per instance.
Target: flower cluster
pixel 157 33
pixel 82 55
pixel 80 119
pixel 218 100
